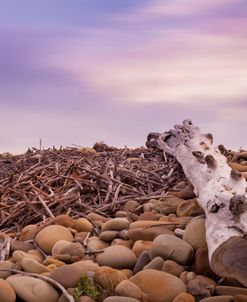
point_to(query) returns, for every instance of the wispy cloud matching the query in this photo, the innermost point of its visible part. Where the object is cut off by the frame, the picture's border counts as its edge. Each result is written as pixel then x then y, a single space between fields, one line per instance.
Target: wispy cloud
pixel 115 72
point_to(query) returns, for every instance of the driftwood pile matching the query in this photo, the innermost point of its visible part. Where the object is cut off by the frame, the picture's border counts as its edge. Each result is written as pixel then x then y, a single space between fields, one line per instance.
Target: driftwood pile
pixel 45 183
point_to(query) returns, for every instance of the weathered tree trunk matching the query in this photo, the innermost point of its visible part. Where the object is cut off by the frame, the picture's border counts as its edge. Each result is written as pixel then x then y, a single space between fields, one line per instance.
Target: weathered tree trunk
pixel 221 192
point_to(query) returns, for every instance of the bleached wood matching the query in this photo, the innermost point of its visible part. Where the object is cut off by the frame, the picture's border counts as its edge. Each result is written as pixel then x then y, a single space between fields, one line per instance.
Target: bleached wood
pixel 221 192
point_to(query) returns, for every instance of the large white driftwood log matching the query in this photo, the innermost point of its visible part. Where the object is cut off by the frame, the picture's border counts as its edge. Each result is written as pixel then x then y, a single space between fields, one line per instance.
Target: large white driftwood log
pixel 221 192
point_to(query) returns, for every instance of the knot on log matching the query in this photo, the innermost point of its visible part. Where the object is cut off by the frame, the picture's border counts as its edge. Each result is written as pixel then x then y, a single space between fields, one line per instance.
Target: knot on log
pixel 215 207
pixel 210 161
pixel 152 140
pixel 210 137
pixel 199 156
pixel 238 205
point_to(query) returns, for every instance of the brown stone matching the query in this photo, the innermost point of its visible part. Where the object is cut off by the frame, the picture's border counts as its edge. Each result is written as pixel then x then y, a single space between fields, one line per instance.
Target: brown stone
pixel 201 286
pixel 142 260
pixel 130 205
pixel 128 289
pixel 159 286
pixel 230 290
pixel 128 273
pixel 117 256
pixel 147 216
pixel 189 208
pixel 97 217
pixel 5 265
pixel 121 214
pixel 85 299
pixel 195 233
pixel 69 275
pixel 240 298
pixel 73 251
pixel 184 297
pixel 17 256
pixel 51 234
pixel 108 278
pixel 173 268
pixel 21 246
pixel 146 224
pixel 224 298
pixel 95 244
pixel 108 235
pixel 140 246
pixel 28 232
pixel 31 289
pixel 116 224
pixel 147 234
pixel 7 294
pixel 119 299
pixel 201 263
pixel 173 247
pixel 33 266
pixel 83 225
pixel 126 243
pixel 156 263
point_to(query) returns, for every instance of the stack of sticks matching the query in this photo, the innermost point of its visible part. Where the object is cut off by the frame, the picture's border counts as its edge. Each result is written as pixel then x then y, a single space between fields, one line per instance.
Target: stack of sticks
pixel 45 183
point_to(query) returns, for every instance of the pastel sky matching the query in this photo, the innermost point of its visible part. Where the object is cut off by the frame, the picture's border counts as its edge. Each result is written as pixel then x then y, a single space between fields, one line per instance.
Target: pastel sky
pixel 77 72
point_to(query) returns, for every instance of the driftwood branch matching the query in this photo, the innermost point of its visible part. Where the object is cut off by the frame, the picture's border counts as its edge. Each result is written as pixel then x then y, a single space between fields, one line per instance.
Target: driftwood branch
pixel 221 192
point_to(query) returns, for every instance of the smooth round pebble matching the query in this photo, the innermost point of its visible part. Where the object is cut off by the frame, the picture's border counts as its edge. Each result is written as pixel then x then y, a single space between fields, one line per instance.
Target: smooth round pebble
pixel 126 243
pixel 148 234
pixel 173 268
pixel 83 225
pixel 31 289
pixel 33 266
pixel 184 297
pixel 5 265
pixel 140 246
pixel 74 251
pixel 95 244
pixel 21 246
pixel 240 298
pixel 159 286
pixel 108 277
pixel 117 256
pixel 130 205
pixel 128 289
pixel 28 232
pixel 51 234
pixel 224 298
pixel 195 233
pixel 18 256
pixel 7 293
pixel 230 290
pixel 69 275
pixel 156 263
pixel 142 260
pixel 108 235
pixel 173 247
pixel 85 299
pixel 116 224
pixel 189 208
pixel 120 299
pixel 201 262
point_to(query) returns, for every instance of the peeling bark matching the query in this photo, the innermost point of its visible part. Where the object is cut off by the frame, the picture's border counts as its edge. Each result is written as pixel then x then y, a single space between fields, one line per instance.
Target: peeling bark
pixel 220 192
